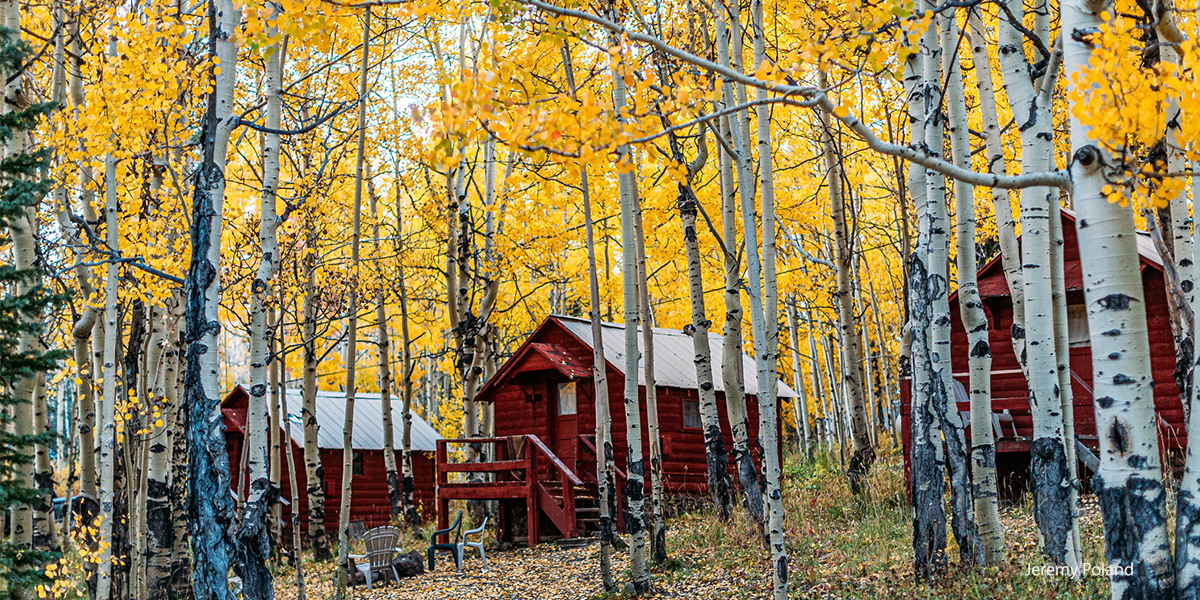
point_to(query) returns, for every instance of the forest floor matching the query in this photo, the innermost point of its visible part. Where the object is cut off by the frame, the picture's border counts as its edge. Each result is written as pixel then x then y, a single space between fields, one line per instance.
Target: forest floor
pixel 839 547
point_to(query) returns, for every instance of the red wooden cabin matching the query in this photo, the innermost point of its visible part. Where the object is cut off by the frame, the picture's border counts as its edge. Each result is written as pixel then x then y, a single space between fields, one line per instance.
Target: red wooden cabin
pixel 545 425
pixel 369 501
pixel 1012 420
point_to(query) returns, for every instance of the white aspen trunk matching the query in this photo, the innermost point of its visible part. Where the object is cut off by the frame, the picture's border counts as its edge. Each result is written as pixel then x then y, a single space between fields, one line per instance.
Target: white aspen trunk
pixel 159 527
pixel 928 484
pixel 767 346
pixel 605 476
pixel 881 336
pixel 635 467
pixel 990 532
pixel 843 253
pixel 109 384
pixel 658 537
pixel 253 535
pixel 963 521
pixel 800 402
pixel 1049 468
pixel 407 485
pixel 833 384
pixel 343 574
pixel 383 346
pixel 1006 223
pixel 731 366
pixel 1181 227
pixel 208 471
pixel 314 473
pixel 1063 357
pixel 275 427
pixel 818 392
pixel 1128 483
pixel 294 492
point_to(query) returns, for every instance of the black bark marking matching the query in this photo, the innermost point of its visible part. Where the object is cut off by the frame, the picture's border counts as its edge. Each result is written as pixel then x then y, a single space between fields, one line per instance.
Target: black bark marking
pixel 1116 301
pixel 981 349
pixel 1114 356
pixel 1111 333
pixel 1051 495
pixel 1105 401
pixel 1119 436
pixel 1129 511
pixel 1122 379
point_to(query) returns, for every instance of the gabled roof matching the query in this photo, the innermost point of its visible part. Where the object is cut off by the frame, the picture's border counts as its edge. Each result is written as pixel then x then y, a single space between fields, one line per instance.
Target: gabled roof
pixel 1072 270
pixel 674 358
pixel 331 416
pixel 368 422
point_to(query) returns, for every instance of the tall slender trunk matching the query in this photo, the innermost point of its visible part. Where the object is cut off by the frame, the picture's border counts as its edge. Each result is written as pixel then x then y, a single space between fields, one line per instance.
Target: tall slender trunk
pixel 963 522
pixel 275 427
pixel 1128 483
pixel 383 344
pixel 159 528
pixel 989 534
pixel 766 334
pixel 815 370
pixel 604 449
pixel 731 358
pixel 343 572
pixel 286 423
pixel 253 534
pixel 180 581
pixel 658 538
pixel 928 483
pixel 407 483
pixel 635 466
pixel 104 581
pixel 800 401
pixel 843 252
pixel 313 470
pixel 211 509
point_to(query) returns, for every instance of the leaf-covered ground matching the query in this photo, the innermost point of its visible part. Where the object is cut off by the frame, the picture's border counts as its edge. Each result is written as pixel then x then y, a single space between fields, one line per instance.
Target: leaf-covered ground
pixel 839 547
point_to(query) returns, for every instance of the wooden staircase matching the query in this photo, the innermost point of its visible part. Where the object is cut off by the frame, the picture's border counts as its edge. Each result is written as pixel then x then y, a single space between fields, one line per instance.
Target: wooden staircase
pixel 522 469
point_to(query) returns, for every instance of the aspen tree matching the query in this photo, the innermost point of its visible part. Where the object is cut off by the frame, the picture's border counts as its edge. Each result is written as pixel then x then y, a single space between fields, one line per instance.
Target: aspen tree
pixel 314 473
pixel 286 422
pixel 843 252
pixel 963 522
pixel 253 535
pixel 658 537
pixel 407 485
pixel 343 574
pixel 731 359
pixel 1049 467
pixel 208 471
pixel 635 466
pixel 800 403
pixel 159 526
pixel 1128 483
pixel 395 494
pixel 605 477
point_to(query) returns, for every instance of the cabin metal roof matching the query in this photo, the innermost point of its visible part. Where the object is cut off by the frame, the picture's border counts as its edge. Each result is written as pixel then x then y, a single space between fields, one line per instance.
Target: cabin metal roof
pixel 674 356
pixel 368 422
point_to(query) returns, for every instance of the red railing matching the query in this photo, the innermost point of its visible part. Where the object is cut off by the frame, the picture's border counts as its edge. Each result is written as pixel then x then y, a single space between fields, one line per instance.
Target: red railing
pixel 587 443
pixel 532 457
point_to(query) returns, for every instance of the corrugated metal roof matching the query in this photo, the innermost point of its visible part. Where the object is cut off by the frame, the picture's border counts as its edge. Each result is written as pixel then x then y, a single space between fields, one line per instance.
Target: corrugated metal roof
pixel 674 356
pixel 368 422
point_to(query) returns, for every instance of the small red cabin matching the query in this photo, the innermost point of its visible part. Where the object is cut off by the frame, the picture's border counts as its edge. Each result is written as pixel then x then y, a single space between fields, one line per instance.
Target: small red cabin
pixel 545 391
pixel 1012 420
pixel 369 501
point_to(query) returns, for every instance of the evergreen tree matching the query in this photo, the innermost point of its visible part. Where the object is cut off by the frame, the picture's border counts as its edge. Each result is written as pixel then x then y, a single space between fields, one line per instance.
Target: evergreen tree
pixel 23 306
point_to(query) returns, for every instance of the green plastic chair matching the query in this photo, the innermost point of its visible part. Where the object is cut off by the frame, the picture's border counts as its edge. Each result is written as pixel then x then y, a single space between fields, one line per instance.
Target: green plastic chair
pixel 451 547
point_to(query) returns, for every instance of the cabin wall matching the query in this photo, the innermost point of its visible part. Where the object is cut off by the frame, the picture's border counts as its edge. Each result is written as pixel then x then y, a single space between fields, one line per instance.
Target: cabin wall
pixel 1009 387
pixel 526 406
pixel 368 491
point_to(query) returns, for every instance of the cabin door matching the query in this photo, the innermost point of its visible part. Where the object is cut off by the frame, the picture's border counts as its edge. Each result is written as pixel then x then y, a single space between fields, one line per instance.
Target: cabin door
pixel 566 423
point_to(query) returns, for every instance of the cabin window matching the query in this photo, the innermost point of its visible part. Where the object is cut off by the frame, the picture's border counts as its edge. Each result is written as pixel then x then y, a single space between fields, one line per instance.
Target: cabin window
pixel 359 462
pixel 566 398
pixel 691 413
pixel 1077 326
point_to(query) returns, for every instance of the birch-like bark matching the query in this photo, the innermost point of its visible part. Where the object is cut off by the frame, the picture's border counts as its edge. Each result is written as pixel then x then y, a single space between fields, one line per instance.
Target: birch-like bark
pixel 253 535
pixel 343 574
pixel 635 466
pixel 181 567
pixel 1049 467
pixel 211 509
pixel 407 483
pixel 1181 225
pixel 104 580
pixel 928 484
pixel 286 423
pixel 314 472
pixel 843 255
pixel 395 493
pixel 159 527
pixel 1128 483
pixel 767 344
pixel 604 449
pixel 963 522
pixel 658 528
pixel 800 402
pixel 990 533
pixel 815 371
pixel 1062 351
pixel 731 357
